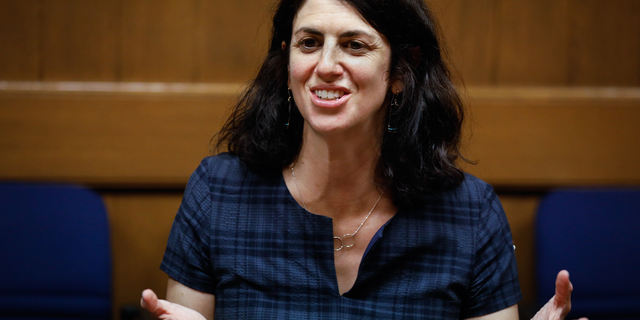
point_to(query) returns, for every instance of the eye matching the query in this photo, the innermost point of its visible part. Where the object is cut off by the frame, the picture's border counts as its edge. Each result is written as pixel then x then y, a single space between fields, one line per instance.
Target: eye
pixel 355 47
pixel 308 44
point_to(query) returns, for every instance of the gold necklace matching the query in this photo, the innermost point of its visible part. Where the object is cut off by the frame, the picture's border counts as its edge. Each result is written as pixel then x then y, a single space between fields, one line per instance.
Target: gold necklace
pixel 346 236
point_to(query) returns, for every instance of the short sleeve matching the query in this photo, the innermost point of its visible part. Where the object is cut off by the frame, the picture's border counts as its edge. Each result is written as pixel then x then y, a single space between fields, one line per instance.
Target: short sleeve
pixel 494 279
pixel 187 257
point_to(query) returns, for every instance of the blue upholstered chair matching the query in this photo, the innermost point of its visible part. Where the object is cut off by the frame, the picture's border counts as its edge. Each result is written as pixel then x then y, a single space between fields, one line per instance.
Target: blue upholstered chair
pixel 595 234
pixel 55 259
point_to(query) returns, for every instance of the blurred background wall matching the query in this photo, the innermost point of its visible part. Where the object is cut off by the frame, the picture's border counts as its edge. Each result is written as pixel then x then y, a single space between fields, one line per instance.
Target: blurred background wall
pixel 124 96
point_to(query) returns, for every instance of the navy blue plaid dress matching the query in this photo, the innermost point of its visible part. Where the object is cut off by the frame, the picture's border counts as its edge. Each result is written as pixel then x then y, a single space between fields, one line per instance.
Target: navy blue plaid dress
pixel 239 234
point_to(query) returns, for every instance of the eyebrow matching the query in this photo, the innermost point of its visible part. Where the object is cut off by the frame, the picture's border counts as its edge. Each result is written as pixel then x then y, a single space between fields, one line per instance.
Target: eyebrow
pixel 309 30
pixel 355 33
pixel 347 34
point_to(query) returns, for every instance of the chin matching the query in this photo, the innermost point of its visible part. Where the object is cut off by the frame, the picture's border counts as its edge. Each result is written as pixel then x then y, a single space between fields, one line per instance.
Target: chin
pixel 329 130
pixel 327 127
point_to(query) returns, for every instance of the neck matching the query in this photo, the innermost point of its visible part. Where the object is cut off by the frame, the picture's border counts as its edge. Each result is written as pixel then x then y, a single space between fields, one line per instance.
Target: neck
pixel 336 173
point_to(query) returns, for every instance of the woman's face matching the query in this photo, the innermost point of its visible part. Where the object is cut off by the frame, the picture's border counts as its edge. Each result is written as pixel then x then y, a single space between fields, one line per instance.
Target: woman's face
pixel 338 68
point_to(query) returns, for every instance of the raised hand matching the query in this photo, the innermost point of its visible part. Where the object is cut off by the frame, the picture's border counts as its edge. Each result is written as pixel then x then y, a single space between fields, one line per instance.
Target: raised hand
pixel 165 310
pixel 559 306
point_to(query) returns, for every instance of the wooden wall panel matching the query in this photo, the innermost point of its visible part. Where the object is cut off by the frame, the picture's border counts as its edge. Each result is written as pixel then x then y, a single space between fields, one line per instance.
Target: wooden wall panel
pixel 554 140
pixel 140 224
pixel 158 40
pixel 493 42
pixel 79 40
pixel 19 40
pixel 469 30
pixel 535 140
pixel 533 42
pixel 102 139
pixel 606 43
pixel 143 146
pixel 231 38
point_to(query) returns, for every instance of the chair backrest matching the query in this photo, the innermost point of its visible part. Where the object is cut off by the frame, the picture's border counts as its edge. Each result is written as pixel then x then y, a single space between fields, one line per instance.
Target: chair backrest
pixel 595 234
pixel 55 257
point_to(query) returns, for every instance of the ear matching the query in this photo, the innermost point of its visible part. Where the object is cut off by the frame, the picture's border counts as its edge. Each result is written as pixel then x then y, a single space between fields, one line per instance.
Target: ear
pixel 283 45
pixel 397 87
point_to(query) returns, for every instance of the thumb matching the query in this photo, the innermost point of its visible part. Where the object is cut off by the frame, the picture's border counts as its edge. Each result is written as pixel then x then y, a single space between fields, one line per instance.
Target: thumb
pixel 150 302
pixel 563 293
pixel 563 288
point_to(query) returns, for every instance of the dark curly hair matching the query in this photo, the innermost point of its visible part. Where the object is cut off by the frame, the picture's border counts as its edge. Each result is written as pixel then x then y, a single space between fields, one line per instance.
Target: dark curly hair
pixel 419 158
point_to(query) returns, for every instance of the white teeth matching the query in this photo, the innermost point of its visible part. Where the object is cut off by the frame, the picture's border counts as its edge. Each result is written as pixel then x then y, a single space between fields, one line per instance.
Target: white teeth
pixel 330 94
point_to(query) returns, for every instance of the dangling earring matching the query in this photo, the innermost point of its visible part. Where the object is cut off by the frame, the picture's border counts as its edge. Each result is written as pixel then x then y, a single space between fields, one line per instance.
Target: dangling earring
pixel 289 102
pixel 394 103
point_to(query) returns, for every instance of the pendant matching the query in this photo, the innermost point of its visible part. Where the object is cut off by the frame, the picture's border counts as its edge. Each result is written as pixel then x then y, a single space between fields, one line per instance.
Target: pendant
pixel 347 240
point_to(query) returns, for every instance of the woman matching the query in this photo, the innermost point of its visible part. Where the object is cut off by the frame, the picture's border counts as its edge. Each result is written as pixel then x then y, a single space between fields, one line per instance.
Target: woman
pixel 340 196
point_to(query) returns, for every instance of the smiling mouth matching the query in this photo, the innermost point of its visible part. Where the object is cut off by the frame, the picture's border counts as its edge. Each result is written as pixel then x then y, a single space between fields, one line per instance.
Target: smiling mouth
pixel 329 94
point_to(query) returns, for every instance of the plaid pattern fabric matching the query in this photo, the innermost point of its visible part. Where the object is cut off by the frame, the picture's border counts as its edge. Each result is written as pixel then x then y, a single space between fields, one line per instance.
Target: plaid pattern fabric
pixel 240 235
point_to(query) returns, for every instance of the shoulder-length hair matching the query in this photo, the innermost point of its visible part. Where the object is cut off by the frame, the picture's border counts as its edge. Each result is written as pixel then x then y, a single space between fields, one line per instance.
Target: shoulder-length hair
pixel 419 158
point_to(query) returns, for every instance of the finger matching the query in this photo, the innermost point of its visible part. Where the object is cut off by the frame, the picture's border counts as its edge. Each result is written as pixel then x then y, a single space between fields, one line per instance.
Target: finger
pixel 150 302
pixel 563 287
pixel 563 292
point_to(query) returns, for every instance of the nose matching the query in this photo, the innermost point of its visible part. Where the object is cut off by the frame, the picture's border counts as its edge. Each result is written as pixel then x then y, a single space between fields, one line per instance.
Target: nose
pixel 329 67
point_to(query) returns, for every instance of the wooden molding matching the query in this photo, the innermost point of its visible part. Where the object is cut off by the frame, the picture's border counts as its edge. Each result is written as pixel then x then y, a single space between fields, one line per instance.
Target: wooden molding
pixel 201 88
pixel 554 93
pixel 69 87
pixel 131 135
